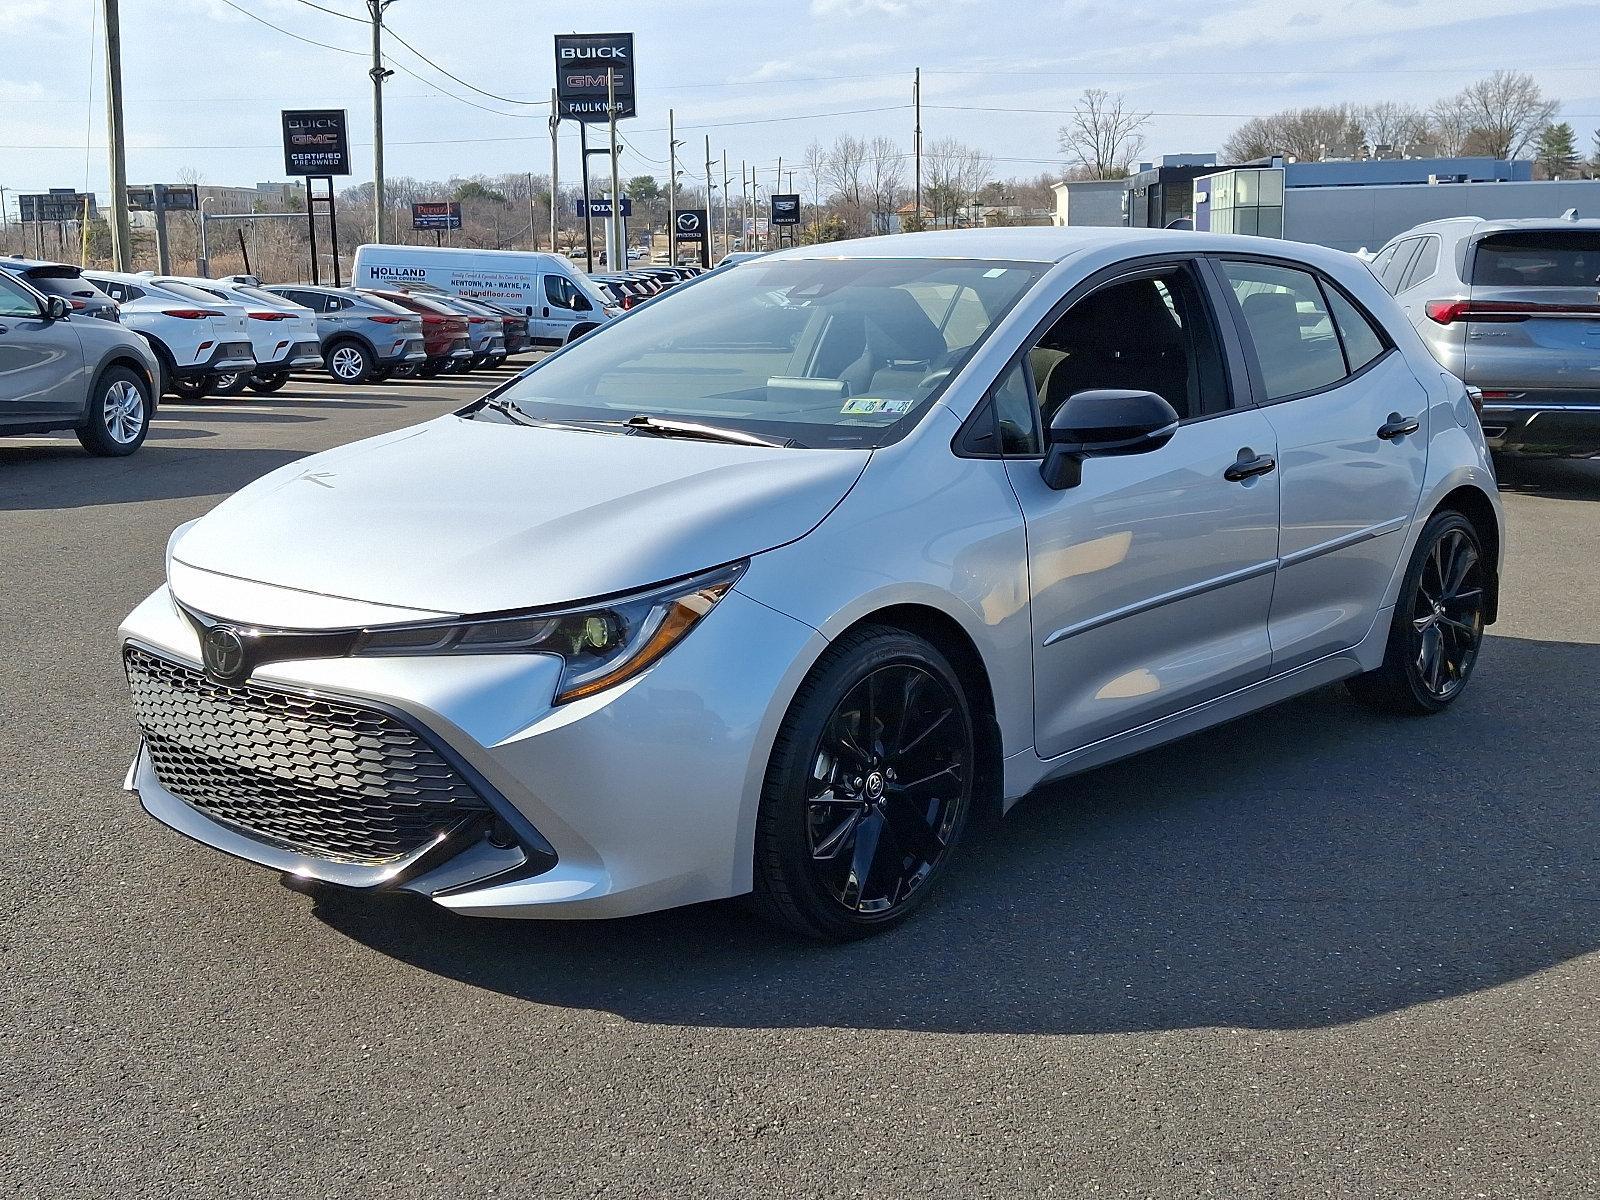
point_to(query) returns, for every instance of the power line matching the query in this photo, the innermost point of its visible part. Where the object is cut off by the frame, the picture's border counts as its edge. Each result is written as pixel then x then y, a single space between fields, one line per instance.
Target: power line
pixel 333 12
pixel 289 32
pixel 470 87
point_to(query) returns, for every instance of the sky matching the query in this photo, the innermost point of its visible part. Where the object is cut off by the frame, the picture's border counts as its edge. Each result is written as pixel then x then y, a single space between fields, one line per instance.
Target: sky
pixel 204 82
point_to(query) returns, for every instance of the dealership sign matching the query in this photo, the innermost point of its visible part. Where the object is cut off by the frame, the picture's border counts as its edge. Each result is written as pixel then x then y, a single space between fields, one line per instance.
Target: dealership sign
pixel 602 208
pixel 58 204
pixel 691 225
pixel 436 214
pixel 315 142
pixel 582 63
pixel 786 209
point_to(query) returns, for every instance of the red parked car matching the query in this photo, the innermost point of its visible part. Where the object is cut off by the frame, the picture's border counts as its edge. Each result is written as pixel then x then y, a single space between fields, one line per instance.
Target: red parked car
pixel 444 332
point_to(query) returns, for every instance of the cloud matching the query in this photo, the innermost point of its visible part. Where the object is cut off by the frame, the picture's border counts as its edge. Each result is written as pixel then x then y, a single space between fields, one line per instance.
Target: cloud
pixel 872 8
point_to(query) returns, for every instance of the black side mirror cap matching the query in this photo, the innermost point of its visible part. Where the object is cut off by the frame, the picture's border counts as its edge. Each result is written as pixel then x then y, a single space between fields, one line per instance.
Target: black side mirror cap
pixel 56 308
pixel 1101 423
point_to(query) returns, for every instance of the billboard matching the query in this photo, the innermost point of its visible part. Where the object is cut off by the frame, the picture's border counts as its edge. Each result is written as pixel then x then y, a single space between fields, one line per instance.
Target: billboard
pixel 58 204
pixel 602 208
pixel 175 197
pixel 582 60
pixel 436 214
pixel 315 142
pixel 786 208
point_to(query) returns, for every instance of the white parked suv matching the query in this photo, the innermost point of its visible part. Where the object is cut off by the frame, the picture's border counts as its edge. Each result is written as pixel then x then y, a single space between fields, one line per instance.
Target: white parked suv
pixel 681 613
pixel 196 336
pixel 283 335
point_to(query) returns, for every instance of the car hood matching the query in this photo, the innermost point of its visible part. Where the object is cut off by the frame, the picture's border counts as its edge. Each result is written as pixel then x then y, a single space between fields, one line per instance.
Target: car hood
pixel 476 516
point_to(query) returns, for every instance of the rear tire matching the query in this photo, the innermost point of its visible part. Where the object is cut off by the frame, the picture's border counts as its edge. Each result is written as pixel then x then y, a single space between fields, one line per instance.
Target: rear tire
pixel 868 788
pixel 348 362
pixel 1437 629
pixel 193 388
pixel 120 406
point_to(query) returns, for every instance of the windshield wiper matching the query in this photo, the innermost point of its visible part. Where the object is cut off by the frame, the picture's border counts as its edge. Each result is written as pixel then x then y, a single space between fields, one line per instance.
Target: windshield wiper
pixel 667 427
pixel 508 410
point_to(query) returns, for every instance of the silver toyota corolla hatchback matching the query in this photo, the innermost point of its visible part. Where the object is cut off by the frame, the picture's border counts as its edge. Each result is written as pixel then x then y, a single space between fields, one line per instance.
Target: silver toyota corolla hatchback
pixel 767 587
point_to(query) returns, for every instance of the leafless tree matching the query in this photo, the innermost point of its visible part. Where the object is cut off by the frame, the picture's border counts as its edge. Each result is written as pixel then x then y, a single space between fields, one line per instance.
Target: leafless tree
pixel 1103 134
pixel 1505 113
pixel 845 170
pixel 1305 134
pixel 1392 123
pixel 814 162
pixel 886 181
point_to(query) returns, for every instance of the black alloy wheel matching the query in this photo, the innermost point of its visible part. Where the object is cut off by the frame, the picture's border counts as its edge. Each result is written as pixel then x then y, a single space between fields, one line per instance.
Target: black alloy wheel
pixel 1438 623
pixel 231 384
pixel 869 788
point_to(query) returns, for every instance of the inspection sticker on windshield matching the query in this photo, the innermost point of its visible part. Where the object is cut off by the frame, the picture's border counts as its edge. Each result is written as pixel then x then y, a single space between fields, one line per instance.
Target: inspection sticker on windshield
pixel 867 405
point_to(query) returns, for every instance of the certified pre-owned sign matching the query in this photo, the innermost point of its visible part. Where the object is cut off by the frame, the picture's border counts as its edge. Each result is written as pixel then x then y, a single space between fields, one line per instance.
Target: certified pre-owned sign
pixel 582 62
pixel 315 142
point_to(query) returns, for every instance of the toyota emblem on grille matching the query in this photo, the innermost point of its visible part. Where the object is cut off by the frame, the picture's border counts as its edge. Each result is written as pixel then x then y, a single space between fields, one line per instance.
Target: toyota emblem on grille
pixel 223 650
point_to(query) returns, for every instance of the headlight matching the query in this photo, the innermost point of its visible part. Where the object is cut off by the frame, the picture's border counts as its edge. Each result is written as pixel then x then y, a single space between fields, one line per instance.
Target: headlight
pixel 600 644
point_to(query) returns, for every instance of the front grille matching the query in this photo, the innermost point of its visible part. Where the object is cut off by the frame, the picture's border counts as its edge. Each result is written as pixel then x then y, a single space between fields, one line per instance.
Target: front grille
pixel 324 777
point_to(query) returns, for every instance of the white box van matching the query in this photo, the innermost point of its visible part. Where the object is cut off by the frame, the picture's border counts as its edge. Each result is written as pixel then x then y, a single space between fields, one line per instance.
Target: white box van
pixel 557 298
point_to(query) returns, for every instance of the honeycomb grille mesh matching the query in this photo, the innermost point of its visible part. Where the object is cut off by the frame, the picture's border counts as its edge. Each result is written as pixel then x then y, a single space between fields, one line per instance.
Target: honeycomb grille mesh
pixel 323 777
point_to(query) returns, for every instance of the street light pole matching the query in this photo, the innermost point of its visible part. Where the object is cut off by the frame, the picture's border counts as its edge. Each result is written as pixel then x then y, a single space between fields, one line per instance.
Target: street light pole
pixel 378 74
pixel 672 187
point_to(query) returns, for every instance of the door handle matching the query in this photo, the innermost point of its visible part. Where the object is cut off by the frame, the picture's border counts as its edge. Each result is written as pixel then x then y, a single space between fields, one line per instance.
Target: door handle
pixel 547 311
pixel 1398 426
pixel 1249 465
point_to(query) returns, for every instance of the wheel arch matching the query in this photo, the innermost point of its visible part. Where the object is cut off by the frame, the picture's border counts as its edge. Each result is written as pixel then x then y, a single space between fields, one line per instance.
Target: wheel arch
pixel 946 634
pixel 137 366
pixel 1472 503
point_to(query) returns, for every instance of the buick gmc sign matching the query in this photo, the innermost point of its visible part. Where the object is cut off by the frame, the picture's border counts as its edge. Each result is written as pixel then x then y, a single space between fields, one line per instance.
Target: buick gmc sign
pixel 315 142
pixel 582 60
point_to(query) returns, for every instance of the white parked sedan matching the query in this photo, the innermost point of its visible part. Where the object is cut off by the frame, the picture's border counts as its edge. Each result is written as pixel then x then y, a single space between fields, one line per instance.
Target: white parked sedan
pixel 766 588
pixel 195 336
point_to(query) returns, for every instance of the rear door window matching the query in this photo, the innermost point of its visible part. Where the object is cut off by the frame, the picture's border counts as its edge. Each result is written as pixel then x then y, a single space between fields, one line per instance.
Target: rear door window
pixel 1538 258
pixel 1361 339
pixel 1295 342
pixel 1424 264
pixel 1396 269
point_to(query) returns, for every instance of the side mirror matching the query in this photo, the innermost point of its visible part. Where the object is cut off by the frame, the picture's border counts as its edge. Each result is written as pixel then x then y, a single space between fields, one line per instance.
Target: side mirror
pixel 580 303
pixel 56 308
pixel 1103 423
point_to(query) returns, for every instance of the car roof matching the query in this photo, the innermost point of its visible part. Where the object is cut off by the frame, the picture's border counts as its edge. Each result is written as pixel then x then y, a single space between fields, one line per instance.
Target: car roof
pixel 1463 225
pixel 1052 244
pixel 16 262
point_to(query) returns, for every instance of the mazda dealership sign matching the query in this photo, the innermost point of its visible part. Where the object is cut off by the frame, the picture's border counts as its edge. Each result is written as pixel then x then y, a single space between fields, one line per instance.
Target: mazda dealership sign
pixel 582 63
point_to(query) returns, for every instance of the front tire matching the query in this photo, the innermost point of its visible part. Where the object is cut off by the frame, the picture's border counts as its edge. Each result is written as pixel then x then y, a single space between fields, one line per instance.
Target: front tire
pixel 266 384
pixel 868 788
pixel 193 387
pixel 119 414
pixel 1438 624
pixel 232 385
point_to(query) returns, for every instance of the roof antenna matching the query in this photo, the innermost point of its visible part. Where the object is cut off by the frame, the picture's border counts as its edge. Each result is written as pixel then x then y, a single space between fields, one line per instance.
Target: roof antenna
pixel 1570 215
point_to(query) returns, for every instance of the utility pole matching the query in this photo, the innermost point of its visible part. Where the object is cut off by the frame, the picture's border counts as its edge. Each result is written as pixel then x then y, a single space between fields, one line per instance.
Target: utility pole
pixel 672 186
pixel 727 244
pixel 555 172
pixel 378 74
pixel 121 235
pixel 706 232
pixel 616 252
pixel 916 140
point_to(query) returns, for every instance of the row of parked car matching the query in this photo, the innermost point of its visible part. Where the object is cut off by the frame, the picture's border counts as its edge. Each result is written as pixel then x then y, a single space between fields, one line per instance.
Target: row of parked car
pixel 93 350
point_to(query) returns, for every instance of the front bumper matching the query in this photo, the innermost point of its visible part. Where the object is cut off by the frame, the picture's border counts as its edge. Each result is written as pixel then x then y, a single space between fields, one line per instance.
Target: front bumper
pixel 646 794
pixel 1547 424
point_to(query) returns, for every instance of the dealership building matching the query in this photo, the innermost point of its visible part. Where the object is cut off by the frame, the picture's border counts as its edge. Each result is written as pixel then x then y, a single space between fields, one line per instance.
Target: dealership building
pixel 1348 204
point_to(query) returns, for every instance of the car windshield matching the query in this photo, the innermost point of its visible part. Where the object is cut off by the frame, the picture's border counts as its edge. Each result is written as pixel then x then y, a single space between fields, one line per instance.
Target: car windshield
pixel 845 352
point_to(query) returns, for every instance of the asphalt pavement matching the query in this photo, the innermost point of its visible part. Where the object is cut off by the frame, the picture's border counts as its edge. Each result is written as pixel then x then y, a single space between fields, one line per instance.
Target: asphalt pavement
pixel 1314 953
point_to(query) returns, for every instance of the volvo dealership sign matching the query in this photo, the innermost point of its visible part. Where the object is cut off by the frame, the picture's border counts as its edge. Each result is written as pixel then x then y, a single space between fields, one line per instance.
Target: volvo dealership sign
pixel 602 207
pixel 315 142
pixel 582 62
